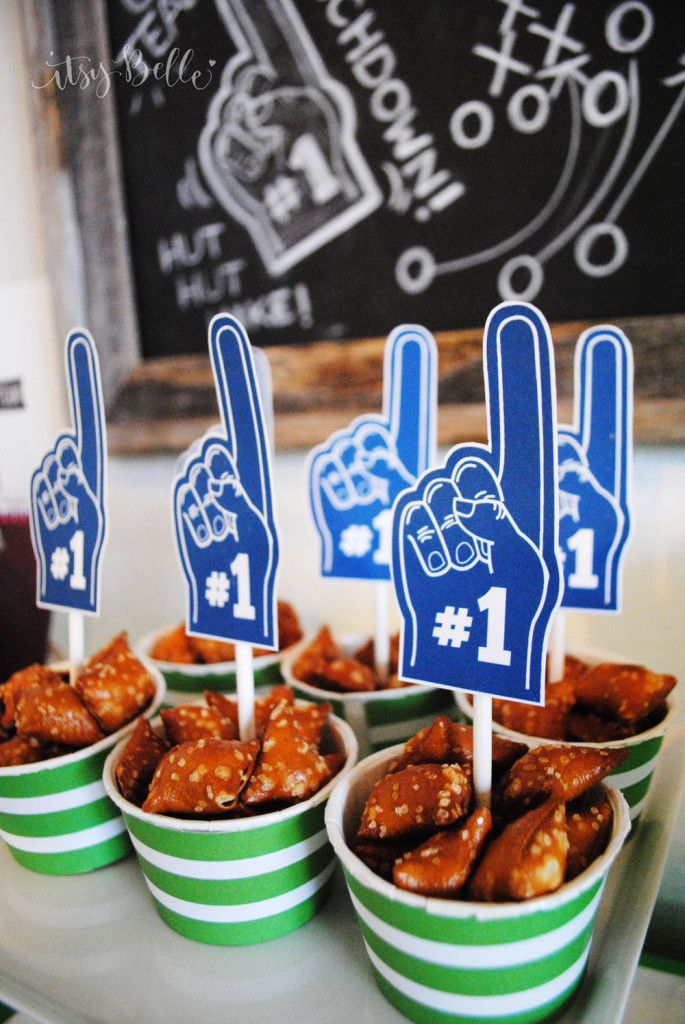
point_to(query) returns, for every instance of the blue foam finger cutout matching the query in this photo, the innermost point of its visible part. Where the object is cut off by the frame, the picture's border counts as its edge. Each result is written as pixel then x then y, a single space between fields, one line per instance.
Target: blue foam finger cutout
pixel 357 473
pixel 474 547
pixel 222 506
pixel 68 492
pixel 595 470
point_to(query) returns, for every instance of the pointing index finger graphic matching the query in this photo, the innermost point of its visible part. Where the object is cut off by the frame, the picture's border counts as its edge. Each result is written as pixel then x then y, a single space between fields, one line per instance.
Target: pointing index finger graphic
pixel 85 397
pixel 521 402
pixel 603 395
pixel 410 395
pixel 240 407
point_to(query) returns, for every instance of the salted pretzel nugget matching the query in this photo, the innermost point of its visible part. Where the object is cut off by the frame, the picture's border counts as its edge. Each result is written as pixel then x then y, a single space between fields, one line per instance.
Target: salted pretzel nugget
pixel 447 742
pixel 415 801
pixel 193 722
pixel 527 859
pixel 56 714
pixel 624 692
pixel 32 678
pixel 441 865
pixel 289 767
pixel 559 772
pixel 203 777
pixel 143 752
pixel 114 685
pixel 589 829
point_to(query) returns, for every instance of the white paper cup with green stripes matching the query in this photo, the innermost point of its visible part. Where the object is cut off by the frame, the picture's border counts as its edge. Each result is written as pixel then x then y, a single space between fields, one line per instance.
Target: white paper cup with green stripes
pixel 460 962
pixel 55 815
pixel 634 776
pixel 184 682
pixel 240 881
pixel 379 718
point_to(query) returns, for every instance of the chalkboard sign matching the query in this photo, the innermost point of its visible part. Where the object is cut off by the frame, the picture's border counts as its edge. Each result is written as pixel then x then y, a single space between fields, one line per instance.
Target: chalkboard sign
pixel 328 168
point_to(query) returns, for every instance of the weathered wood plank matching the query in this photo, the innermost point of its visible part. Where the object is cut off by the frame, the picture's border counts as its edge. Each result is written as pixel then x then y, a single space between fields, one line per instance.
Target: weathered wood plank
pixel 167 403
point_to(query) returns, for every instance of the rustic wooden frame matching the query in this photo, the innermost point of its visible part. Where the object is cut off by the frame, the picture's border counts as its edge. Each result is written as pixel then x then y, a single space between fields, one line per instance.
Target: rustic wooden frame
pixel 163 405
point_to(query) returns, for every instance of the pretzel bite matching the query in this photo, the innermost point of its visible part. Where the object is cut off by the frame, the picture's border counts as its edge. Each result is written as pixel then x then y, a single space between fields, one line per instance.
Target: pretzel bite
pixel 114 685
pixel 192 722
pixel 289 768
pixel 527 859
pixel 441 865
pixel 32 678
pixel 550 721
pixel 381 857
pixel 573 668
pixel 211 652
pixel 202 777
pixel 348 676
pixel 367 654
pixel 174 647
pixel 447 742
pixel 27 750
pixel 546 772
pixel 589 728
pixel 289 628
pixel 263 706
pixel 56 714
pixel 324 645
pixel 415 801
pixel 589 829
pixel 623 692
pixel 141 755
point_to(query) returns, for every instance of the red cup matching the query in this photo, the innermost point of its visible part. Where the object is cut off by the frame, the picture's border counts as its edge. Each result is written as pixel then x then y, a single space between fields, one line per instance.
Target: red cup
pixel 23 626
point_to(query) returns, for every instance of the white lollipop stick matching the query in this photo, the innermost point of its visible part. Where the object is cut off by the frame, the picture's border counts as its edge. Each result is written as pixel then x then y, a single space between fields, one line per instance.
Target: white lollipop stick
pixel 245 687
pixel 381 639
pixel 557 647
pixel 77 643
pixel 482 748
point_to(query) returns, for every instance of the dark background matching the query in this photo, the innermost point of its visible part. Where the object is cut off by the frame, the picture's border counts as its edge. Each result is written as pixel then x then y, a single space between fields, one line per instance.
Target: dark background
pixel 350 282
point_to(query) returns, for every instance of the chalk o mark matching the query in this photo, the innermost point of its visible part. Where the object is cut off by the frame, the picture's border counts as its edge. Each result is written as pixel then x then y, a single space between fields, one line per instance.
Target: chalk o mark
pixel 529 124
pixel 593 92
pixel 475 110
pixel 614 27
pixel 415 270
pixel 520 263
pixel 586 240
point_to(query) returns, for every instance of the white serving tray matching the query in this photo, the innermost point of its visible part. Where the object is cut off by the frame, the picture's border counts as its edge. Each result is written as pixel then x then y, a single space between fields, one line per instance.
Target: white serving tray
pixel 91 949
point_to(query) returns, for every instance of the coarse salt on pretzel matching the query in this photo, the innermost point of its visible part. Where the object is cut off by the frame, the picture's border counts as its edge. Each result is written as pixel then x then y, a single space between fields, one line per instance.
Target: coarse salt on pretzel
pixel 56 714
pixel 201 777
pixel 441 865
pixel 193 722
pixel 586 727
pixel 588 829
pixel 624 692
pixel 527 859
pixel 289 768
pixel 114 685
pixel 448 742
pixel 143 752
pixel 550 721
pixel 174 647
pixel 27 750
pixel 562 772
pixel 32 678
pixel 349 676
pixel 417 800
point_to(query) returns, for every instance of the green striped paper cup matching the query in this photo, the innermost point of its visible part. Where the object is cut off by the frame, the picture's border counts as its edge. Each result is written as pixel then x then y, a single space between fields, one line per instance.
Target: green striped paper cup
pixel 382 717
pixel 186 681
pixel 55 815
pixel 457 961
pixel 634 776
pixel 241 881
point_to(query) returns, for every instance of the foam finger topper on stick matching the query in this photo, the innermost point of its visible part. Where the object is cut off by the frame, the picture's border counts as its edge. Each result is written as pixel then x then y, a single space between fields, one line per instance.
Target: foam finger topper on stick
pixel 475 541
pixel 595 468
pixel 68 506
pixel 223 509
pixel 356 474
